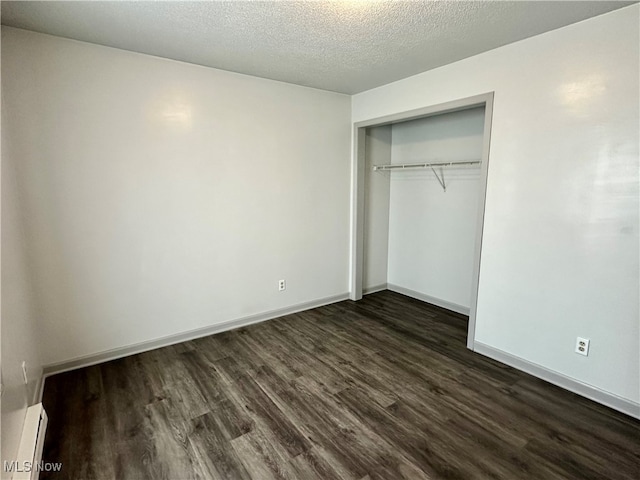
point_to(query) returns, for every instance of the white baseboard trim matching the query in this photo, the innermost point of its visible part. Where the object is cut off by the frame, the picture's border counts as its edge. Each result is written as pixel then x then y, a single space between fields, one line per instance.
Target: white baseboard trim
pixel 589 391
pixel 454 307
pixel 374 289
pixel 113 354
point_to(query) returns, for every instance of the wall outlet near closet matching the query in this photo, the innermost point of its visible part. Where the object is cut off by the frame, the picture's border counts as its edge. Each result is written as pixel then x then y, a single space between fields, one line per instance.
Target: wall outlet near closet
pixel 582 346
pixel 282 285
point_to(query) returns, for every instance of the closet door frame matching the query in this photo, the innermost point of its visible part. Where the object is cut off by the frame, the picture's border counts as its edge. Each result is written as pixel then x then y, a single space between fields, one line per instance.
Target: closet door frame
pixel 358 188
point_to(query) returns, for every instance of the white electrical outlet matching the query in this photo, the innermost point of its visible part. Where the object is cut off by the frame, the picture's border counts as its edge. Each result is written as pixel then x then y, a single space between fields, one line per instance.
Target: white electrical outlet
pixel 582 346
pixel 24 372
pixel 282 285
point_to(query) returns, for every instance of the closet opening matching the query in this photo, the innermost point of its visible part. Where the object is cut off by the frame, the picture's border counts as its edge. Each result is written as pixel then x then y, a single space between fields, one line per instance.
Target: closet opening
pixel 419 187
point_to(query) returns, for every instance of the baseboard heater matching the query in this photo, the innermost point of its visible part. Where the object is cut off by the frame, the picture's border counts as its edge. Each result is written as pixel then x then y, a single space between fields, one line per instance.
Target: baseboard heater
pixel 29 461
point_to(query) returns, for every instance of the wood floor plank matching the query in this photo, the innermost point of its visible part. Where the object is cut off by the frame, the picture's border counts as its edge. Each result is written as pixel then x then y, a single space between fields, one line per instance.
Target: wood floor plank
pixel 435 458
pixel 210 384
pixel 169 434
pixel 282 427
pixel 383 388
pixel 317 463
pixel 80 424
pixel 335 429
pixel 213 449
pixel 261 456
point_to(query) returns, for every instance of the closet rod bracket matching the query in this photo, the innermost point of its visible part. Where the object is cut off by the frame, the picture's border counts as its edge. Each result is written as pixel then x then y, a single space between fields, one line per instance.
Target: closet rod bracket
pixel 440 179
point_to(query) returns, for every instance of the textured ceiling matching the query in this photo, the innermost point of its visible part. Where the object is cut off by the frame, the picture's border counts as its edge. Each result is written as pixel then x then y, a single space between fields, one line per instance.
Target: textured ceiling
pixel 343 46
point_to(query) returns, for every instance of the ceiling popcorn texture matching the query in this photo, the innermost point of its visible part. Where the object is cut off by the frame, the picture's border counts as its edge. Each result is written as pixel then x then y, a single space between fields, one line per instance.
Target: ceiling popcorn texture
pixel 342 46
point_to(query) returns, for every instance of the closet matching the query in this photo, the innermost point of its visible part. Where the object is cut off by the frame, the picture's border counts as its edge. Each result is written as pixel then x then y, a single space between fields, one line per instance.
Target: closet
pixel 423 188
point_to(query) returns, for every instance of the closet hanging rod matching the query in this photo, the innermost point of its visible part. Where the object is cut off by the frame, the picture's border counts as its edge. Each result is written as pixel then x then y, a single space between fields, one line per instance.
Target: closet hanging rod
pixel 401 166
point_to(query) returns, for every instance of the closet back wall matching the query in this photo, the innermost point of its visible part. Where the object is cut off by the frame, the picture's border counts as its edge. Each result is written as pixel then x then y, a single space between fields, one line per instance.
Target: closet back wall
pixel 162 197
pixel 432 232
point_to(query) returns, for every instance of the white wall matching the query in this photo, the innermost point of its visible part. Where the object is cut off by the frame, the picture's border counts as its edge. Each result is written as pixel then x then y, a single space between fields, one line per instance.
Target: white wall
pixel 18 312
pixel 560 244
pixel 376 208
pixel 432 232
pixel 162 197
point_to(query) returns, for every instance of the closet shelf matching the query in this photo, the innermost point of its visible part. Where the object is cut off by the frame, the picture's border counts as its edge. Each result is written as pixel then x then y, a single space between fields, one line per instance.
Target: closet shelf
pixel 403 166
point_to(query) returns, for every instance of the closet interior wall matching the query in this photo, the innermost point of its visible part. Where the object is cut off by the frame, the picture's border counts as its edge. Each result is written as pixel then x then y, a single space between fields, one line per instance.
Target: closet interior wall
pixel 376 210
pixel 419 239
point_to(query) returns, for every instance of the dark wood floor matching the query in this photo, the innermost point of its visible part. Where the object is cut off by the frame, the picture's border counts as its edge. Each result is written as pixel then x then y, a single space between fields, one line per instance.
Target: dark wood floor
pixel 379 389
